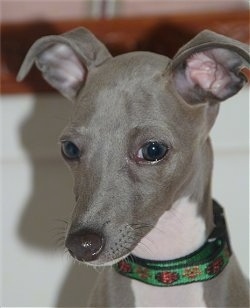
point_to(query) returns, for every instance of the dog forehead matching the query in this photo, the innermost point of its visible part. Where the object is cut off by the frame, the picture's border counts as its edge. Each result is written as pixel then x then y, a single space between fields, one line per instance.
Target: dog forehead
pixel 137 62
pixel 127 85
pixel 126 72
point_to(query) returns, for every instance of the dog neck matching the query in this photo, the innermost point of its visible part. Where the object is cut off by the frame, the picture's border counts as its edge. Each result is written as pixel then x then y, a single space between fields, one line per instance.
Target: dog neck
pixel 178 232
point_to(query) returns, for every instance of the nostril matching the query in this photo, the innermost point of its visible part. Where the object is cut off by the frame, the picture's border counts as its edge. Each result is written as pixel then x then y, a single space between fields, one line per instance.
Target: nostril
pixel 85 245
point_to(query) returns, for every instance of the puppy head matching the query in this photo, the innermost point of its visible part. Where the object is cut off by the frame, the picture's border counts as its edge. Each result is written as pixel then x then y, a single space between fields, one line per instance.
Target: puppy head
pixel 138 130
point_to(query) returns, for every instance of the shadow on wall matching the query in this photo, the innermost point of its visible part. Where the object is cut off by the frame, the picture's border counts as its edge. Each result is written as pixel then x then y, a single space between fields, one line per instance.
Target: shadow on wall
pixel 42 223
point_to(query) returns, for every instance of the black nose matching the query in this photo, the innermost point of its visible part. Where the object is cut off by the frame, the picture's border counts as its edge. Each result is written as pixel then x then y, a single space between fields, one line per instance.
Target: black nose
pixel 85 245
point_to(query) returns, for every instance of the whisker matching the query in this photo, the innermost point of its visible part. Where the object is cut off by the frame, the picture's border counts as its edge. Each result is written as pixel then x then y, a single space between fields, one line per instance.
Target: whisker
pixel 144 225
pixel 56 233
pixel 66 253
pixel 129 258
pixel 56 228
pixel 60 239
pixel 64 221
pixel 98 269
pixel 146 248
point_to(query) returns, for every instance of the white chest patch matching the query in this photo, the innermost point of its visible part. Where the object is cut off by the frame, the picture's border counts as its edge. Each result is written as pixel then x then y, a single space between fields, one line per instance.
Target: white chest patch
pixel 177 233
pixel 190 295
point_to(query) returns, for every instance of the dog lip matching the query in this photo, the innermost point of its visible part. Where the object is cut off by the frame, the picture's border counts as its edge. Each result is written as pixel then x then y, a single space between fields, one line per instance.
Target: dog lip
pixel 97 263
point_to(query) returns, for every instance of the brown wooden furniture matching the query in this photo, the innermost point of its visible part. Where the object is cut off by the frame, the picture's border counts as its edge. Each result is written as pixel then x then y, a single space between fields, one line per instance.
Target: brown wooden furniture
pixel 163 35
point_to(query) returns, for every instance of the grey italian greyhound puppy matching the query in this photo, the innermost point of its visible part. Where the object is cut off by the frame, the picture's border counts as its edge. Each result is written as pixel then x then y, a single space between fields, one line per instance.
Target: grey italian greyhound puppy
pixel 139 149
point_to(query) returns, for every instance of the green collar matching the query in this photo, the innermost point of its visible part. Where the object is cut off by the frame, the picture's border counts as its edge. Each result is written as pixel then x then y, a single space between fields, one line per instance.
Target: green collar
pixel 203 264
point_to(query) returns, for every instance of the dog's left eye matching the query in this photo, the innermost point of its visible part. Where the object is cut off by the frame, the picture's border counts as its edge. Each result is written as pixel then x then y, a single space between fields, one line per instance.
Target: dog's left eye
pixel 70 150
pixel 152 151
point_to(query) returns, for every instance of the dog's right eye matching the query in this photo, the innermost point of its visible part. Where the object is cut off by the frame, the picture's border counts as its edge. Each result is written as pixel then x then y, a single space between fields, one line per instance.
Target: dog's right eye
pixel 70 150
pixel 152 151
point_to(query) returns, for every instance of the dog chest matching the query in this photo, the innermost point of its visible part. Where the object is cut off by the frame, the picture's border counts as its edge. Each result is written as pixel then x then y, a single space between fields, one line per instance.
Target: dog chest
pixel 179 296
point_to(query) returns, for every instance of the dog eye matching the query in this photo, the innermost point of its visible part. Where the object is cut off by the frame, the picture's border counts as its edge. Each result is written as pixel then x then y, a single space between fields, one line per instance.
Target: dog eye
pixel 70 150
pixel 153 151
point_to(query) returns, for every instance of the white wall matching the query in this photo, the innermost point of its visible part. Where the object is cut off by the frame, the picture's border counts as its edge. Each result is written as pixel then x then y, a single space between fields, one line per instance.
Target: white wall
pixel 36 189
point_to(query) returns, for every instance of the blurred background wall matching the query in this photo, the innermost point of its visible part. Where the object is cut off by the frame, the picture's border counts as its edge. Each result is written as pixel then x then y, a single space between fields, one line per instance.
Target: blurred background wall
pixel 23 10
pixel 36 186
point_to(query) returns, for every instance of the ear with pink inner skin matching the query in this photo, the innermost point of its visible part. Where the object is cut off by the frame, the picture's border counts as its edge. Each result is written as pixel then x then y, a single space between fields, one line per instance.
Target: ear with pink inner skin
pixel 208 68
pixel 65 60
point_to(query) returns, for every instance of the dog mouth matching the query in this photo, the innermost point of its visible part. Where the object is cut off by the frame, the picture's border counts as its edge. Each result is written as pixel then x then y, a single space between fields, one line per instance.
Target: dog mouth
pixel 99 249
pixel 95 254
pixel 99 263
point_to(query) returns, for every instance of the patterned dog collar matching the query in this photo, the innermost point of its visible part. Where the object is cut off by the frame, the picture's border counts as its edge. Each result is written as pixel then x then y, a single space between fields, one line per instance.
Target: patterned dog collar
pixel 203 264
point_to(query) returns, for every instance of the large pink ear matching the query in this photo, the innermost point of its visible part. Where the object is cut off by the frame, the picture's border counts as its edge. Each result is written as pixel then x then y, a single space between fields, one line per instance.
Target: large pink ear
pixel 208 68
pixel 64 60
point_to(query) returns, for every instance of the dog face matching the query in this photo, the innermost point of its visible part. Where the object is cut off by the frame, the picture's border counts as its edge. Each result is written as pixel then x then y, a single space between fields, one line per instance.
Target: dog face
pixel 138 130
pixel 128 155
